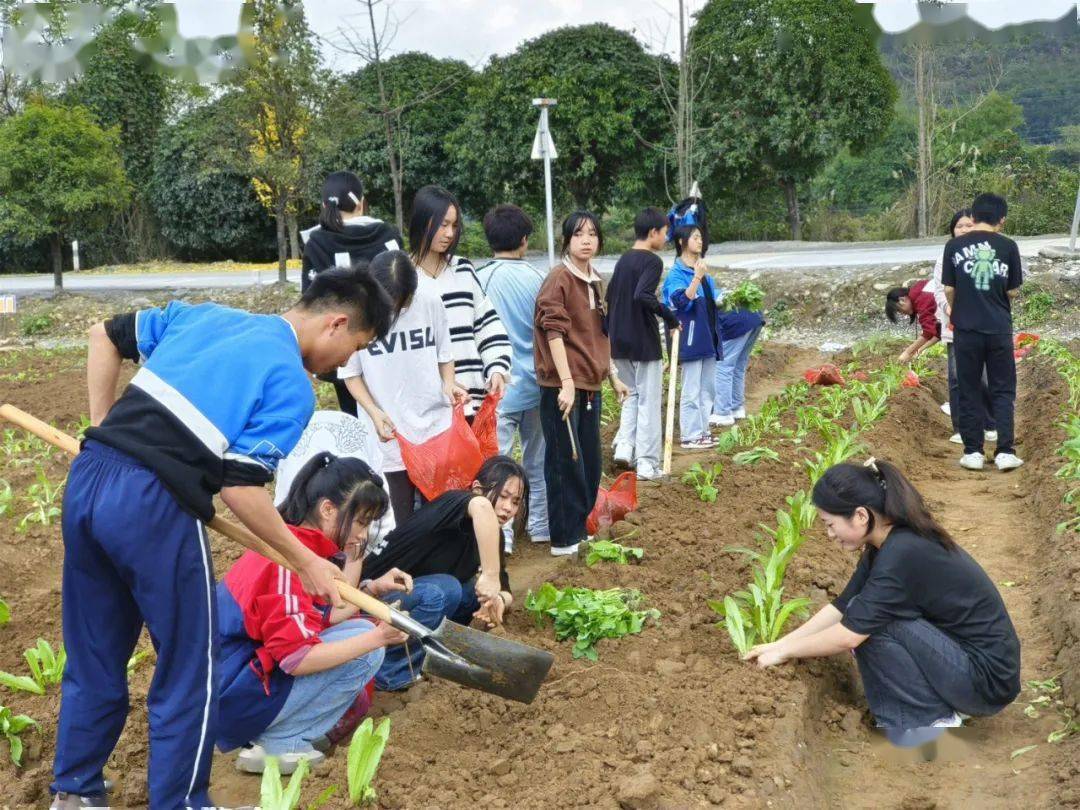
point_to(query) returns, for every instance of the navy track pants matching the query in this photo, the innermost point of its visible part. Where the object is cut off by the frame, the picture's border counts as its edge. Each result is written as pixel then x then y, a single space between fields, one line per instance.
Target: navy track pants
pixel 132 555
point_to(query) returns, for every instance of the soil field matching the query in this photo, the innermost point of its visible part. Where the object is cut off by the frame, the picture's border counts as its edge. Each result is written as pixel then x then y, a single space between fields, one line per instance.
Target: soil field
pixel 670 718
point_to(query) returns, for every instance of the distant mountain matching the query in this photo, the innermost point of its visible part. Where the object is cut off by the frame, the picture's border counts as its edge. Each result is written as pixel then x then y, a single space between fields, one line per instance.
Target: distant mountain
pixel 1039 70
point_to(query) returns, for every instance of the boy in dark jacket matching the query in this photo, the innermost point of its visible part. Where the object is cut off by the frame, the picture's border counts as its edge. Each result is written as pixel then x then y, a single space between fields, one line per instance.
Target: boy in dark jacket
pixel 635 344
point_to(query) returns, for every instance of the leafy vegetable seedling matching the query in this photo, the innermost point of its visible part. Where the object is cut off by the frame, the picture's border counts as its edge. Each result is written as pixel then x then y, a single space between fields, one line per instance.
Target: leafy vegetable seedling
pixel 46 669
pixel 588 615
pixel 11 726
pixel 606 550
pixel 756 455
pixel 365 752
pixel 747 295
pixel 704 481
pixel 273 796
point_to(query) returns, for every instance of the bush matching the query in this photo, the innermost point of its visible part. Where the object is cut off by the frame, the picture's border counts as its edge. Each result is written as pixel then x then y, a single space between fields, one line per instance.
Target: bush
pixel 36 324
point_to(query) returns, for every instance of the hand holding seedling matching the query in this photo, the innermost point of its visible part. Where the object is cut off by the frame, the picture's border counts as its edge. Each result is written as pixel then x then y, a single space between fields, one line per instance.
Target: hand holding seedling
pixel 767 655
pixel 384 425
pixel 393 580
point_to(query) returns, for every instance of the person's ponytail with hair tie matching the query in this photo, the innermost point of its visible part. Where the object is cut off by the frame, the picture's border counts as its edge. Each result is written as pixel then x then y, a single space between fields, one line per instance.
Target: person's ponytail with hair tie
pixel 341 191
pixel 872 464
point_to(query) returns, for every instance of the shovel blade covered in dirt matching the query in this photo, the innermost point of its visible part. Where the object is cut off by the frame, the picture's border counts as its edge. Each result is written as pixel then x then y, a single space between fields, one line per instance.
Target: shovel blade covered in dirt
pixel 480 660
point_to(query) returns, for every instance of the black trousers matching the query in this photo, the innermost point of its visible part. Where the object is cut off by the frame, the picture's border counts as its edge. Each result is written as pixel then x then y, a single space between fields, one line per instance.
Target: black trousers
pixel 403 495
pixel 954 396
pixel 976 352
pixel 571 485
pixel 345 399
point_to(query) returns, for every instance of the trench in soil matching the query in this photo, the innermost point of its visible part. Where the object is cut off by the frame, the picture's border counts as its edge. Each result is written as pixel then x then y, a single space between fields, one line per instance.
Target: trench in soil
pixel 668 719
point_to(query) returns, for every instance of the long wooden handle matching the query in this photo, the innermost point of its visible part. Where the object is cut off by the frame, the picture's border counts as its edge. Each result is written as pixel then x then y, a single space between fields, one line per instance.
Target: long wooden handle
pixel 669 428
pixel 240 534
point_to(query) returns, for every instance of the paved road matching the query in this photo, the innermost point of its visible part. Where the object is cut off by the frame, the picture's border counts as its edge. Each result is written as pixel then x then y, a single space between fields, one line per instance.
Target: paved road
pixel 739 255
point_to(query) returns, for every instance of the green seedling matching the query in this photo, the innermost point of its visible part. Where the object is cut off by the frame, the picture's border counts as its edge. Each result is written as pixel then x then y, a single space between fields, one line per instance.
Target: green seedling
pixel 365 752
pixel 589 616
pixel 868 411
pixel 729 440
pixel 5 613
pixel 12 726
pixel 606 550
pixel 1069 727
pixel 134 661
pixel 323 798
pixel 46 669
pixel 44 500
pixel 274 796
pixel 747 295
pixel 736 622
pixel 7 498
pixel 704 481
pixel 756 455
pixel 803 511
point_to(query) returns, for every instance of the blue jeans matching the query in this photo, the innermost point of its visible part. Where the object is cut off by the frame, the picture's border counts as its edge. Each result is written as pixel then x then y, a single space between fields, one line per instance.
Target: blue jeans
pixel 527 425
pixel 914 674
pixel 317 701
pixel 433 597
pixel 698 389
pixel 731 373
pixel 469 603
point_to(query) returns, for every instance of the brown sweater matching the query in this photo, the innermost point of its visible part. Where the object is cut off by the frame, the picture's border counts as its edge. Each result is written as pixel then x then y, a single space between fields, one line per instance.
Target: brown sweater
pixel 564 309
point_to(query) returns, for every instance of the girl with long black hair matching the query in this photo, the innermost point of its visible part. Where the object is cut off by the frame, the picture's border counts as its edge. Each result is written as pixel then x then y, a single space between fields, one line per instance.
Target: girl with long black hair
pixel 480 345
pixel 928 628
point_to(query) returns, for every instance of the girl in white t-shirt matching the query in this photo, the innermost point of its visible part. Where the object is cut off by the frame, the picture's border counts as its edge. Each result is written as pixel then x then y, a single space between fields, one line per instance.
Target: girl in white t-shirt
pixel 405 382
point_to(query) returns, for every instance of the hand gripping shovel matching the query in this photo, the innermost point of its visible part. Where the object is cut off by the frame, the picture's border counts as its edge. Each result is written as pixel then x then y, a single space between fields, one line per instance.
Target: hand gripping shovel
pixel 457 653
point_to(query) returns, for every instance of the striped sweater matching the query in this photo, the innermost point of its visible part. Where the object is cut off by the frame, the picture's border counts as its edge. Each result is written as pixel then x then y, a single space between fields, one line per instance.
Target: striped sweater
pixel 478 340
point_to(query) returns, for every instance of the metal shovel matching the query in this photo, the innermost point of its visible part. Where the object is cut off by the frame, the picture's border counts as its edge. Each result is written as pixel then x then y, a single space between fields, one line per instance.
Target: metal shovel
pixel 457 653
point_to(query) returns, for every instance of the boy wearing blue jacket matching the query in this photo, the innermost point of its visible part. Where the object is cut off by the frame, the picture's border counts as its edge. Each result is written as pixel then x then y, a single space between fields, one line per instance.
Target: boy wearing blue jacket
pixel 689 291
pixel 221 396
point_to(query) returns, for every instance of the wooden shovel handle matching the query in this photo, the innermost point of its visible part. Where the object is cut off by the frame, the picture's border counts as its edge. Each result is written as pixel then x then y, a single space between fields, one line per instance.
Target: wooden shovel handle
pixel 669 428
pixel 240 534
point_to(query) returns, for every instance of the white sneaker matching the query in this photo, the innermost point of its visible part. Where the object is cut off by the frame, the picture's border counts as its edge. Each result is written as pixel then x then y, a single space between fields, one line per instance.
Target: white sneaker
pixel 623 458
pixel 647 472
pixel 564 551
pixel 956 439
pixel 693 444
pixel 721 420
pixel 1007 461
pixel 972 461
pixel 253 760
pixel 954 720
pixel 740 413
pixel 946 408
pixel 990 435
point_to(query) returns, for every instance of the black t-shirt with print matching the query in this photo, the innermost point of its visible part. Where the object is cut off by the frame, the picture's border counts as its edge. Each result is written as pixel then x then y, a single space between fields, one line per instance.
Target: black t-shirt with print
pixel 982 267
pixel 438 538
pixel 910 578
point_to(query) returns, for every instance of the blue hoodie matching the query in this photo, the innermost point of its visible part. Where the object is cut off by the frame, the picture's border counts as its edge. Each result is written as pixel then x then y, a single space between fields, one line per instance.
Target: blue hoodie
pixel 698 337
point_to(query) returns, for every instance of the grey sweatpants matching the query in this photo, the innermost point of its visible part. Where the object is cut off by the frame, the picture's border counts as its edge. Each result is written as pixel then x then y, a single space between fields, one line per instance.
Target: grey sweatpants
pixel 641 422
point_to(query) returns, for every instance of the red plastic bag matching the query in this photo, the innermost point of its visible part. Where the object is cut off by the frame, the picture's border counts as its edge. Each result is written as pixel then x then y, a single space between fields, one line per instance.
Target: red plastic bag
pixel 1023 343
pixel 612 505
pixel 911 380
pixel 861 376
pixel 447 461
pixel 827 374
pixel 486 426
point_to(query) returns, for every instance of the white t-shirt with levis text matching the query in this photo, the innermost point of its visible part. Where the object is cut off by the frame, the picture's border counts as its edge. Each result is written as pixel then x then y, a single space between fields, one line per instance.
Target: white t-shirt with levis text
pixel 402 373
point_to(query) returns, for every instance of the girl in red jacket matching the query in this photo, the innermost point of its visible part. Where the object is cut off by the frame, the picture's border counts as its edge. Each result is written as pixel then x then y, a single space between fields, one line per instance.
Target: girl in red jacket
pixel 914 302
pixel 291 668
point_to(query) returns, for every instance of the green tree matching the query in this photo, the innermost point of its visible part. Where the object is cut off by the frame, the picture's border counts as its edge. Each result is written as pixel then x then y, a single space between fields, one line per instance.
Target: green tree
pixel 428 97
pixel 608 110
pixel 206 208
pixel 277 106
pixel 58 169
pixel 791 84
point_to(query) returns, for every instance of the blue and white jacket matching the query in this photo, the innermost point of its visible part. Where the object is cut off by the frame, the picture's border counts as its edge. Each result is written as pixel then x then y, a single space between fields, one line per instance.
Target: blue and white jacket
pixel 698 337
pixel 221 398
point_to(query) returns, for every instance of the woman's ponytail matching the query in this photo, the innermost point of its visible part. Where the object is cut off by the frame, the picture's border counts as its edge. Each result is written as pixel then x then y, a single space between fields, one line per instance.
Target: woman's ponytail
pixel 881 487
pixel 342 191
pixel 347 482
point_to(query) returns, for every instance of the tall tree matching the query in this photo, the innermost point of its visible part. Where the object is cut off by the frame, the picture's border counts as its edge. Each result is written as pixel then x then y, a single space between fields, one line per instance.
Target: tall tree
pixel 58 169
pixel 793 82
pixel 427 98
pixel 606 87
pixel 280 90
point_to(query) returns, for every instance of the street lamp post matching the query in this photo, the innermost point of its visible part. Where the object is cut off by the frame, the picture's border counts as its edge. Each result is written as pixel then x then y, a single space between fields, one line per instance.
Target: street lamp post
pixel 544 149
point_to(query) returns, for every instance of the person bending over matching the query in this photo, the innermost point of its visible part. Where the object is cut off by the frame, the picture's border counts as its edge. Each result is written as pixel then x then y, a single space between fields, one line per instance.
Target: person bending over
pixel 930 632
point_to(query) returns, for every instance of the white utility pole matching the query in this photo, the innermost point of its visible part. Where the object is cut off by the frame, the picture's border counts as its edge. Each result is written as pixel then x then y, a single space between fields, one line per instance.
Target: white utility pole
pixel 1076 222
pixel 544 149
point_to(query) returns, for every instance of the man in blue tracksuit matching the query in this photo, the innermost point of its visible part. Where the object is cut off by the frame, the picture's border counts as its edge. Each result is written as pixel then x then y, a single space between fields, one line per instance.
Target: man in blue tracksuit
pixel 221 396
